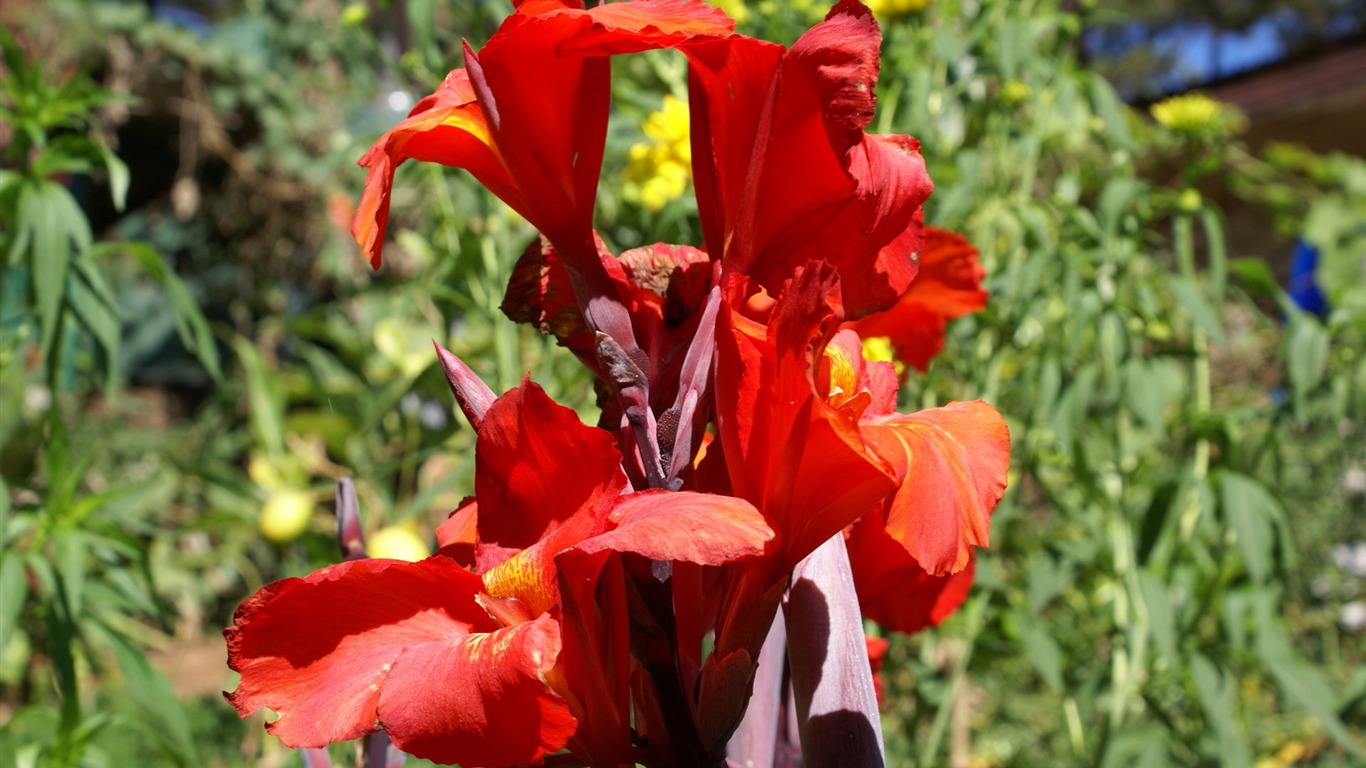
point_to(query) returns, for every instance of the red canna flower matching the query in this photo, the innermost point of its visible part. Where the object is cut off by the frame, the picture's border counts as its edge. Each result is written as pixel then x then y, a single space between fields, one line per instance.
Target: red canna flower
pixel 488 668
pixel 948 285
pixel 784 171
pixel 809 224
pixel 527 115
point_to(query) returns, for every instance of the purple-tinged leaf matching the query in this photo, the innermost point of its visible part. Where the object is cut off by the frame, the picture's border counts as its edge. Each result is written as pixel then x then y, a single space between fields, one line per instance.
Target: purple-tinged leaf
pixel 380 752
pixel 350 535
pixel 755 742
pixel 633 389
pixel 832 681
pixel 692 386
pixel 473 395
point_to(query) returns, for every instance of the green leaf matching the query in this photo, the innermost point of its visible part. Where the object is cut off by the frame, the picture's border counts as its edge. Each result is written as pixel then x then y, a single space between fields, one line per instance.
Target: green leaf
pixel 13 592
pixel 1213 225
pixel 191 325
pixel 1138 747
pixel 6 506
pixel 1042 650
pixel 151 691
pixel 1045 579
pixel 98 312
pixel 1218 697
pixel 1257 279
pixel 1201 312
pixel 1306 352
pixel 1110 109
pixel 1145 393
pixel 1300 680
pixel 15 62
pixel 265 398
pixel 422 20
pixel 1115 200
pixel 61 632
pixel 1161 619
pixel 1155 517
pixel 69 545
pixel 57 227
pixel 1249 510
pixel 118 177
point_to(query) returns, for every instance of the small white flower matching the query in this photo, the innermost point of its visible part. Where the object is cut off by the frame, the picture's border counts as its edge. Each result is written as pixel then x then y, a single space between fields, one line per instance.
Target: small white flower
pixel 1351 558
pixel 1354 481
pixel 1353 616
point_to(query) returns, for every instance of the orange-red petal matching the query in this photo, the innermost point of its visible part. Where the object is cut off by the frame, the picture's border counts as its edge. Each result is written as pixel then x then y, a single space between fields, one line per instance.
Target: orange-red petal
pixel 457 534
pixel 404 647
pixel 644 25
pixel 949 285
pixel 448 127
pixel 893 589
pixel 699 528
pixel 951 463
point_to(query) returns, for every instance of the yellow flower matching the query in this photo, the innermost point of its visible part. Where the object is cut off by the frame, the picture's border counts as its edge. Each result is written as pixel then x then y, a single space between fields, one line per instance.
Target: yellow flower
pixel 879 349
pixel 888 8
pixel 1195 114
pixel 1189 201
pixel 397 542
pixel 354 14
pixel 1015 93
pixel 734 8
pixel 285 515
pixel 660 168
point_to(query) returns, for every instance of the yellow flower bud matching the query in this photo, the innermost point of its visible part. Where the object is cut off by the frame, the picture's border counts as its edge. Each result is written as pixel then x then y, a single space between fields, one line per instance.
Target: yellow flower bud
pixel 285 515
pixel 397 542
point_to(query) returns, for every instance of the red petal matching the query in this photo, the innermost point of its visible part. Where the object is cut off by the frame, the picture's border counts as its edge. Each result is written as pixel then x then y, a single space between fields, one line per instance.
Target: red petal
pixel 644 25
pixel 456 535
pixel 546 88
pixel 548 115
pixel 692 527
pixel 374 644
pixel 893 589
pixel 796 179
pixel 528 114
pixel 536 466
pixel 949 285
pixel 514 719
pixel 447 127
pixel 728 85
pixel 952 464
pixel 546 6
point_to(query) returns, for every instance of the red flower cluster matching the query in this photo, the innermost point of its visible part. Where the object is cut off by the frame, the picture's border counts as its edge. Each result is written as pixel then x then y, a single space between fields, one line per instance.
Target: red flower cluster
pixel 607 589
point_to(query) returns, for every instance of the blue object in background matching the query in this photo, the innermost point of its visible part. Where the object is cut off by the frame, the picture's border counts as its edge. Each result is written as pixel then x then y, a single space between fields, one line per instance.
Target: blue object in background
pixel 1303 286
pixel 181 16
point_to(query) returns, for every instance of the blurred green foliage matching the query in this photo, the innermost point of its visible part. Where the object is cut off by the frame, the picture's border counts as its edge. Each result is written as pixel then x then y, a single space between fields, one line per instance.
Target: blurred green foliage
pixel 1159 590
